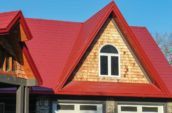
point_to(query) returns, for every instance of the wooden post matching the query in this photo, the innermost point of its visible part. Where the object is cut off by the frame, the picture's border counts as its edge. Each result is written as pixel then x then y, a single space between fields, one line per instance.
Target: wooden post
pixel 26 100
pixel 20 99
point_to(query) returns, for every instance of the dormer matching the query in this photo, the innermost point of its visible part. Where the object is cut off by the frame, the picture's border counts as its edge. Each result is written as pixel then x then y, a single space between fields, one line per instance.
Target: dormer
pixel 16 65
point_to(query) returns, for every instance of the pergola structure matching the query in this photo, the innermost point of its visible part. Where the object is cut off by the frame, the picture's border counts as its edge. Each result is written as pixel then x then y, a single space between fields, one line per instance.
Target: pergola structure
pixel 22 92
pixel 16 65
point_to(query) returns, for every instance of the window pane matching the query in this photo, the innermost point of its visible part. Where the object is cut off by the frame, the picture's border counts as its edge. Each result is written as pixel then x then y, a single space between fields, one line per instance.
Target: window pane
pixel 150 109
pixel 128 108
pixel 2 57
pixel 104 65
pixel 88 107
pixel 114 65
pixel 65 107
pixel 108 49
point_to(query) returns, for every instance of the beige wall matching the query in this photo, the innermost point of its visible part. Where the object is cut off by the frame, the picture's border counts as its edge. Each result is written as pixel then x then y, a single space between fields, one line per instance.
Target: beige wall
pixel 130 70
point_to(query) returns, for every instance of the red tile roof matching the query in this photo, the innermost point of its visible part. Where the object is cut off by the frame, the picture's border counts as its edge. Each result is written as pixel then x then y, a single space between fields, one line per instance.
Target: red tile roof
pixel 58 46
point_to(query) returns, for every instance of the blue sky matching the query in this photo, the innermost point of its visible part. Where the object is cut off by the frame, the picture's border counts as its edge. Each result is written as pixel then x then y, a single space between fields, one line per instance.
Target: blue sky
pixel 154 14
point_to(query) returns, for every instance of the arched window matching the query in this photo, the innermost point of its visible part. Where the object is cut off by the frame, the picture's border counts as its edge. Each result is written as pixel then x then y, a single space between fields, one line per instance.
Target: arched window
pixel 109 61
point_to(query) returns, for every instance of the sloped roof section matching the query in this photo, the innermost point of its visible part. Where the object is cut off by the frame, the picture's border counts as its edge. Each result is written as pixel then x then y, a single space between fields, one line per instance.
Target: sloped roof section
pixel 113 89
pixel 155 56
pixel 51 47
pixel 57 47
pixel 7 18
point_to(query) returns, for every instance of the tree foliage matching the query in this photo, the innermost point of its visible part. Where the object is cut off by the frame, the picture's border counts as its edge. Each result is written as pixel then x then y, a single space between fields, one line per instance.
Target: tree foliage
pixel 164 41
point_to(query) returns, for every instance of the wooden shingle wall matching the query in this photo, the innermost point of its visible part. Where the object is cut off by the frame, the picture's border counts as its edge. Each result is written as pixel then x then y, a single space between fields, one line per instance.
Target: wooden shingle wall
pixel 130 69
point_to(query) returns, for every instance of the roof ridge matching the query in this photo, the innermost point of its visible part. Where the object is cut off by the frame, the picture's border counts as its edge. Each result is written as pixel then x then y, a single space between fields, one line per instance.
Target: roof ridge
pixel 7 12
pixel 53 20
pixel 106 6
pixel 135 26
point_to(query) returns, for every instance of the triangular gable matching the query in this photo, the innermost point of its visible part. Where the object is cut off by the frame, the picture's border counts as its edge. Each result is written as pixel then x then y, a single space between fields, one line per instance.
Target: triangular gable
pixel 131 70
pixel 100 19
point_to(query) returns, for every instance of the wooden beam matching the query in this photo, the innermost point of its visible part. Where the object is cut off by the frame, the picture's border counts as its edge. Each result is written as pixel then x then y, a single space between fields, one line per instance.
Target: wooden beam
pixel 20 99
pixel 13 80
pixel 26 100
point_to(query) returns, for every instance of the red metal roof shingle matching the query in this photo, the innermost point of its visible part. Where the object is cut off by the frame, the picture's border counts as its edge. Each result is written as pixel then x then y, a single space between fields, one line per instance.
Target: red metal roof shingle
pixel 51 46
pixel 7 18
pixel 58 46
pixel 156 57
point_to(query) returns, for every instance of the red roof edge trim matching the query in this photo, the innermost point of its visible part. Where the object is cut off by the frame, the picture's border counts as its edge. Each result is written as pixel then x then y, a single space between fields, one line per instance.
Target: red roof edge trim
pixel 93 34
pixel 19 17
pixel 25 26
pixel 7 29
pixel 137 48
pixel 72 89
pixel 116 95
pixel 32 65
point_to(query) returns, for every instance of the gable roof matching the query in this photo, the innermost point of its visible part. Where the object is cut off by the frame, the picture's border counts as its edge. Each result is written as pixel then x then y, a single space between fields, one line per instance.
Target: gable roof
pixel 95 23
pixel 58 46
pixel 7 21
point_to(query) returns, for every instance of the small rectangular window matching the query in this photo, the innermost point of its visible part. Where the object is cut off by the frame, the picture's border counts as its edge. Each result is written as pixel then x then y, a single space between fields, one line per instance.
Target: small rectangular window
pixel 104 65
pixel 88 107
pixel 65 107
pixel 114 65
pixel 129 108
pixel 150 109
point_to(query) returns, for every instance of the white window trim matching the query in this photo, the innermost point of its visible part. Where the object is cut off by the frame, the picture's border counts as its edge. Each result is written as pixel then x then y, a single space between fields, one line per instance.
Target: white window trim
pixel 139 108
pixel 109 62
pixel 76 107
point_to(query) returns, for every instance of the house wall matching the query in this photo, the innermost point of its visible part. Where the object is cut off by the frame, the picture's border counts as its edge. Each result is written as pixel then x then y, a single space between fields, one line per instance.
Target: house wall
pixel 109 104
pixel 169 107
pixel 43 103
pixel 130 70
pixel 24 69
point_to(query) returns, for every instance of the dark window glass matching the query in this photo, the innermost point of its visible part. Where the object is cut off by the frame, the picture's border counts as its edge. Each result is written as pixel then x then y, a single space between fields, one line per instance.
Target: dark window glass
pixel 2 58
pixel 14 65
pixel 65 107
pixel 128 108
pixel 150 109
pixel 114 65
pixel 88 107
pixel 109 49
pixel 7 64
pixel 104 65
